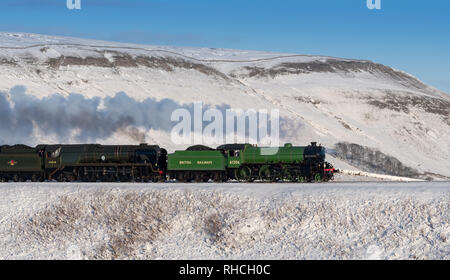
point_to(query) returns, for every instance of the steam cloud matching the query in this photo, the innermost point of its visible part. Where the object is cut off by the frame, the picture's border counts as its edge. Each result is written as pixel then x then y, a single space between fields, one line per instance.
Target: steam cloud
pixel 75 117
pixel 90 117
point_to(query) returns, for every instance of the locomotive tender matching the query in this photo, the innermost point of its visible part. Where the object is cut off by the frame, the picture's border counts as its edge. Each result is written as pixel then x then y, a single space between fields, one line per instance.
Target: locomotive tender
pixel 144 163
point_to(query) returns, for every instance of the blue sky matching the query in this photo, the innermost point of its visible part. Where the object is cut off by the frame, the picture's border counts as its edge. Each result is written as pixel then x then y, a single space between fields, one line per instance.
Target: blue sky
pixel 410 35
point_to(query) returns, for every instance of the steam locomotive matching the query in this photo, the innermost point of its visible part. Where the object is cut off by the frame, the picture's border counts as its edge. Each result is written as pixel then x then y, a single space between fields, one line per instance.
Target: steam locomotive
pixel 151 163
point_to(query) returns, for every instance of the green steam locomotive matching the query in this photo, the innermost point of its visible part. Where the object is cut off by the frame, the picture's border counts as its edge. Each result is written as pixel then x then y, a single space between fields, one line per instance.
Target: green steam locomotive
pixel 245 162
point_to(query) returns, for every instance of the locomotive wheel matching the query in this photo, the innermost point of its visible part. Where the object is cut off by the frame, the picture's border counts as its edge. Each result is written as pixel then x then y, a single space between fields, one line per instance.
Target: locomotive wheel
pixel 61 178
pixel 80 176
pixel 34 178
pixel 198 178
pixel 243 173
pixel 217 178
pixel 180 178
pixel 318 178
pixel 108 178
pixel 156 179
pixel 265 173
pixel 123 178
pixel 287 176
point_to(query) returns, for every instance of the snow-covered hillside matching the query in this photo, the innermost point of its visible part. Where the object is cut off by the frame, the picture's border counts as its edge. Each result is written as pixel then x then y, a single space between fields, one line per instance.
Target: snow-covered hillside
pixel 225 221
pixel 391 116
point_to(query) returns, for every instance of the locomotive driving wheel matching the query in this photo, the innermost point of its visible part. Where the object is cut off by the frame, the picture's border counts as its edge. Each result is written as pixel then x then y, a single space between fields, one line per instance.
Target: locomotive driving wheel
pixel 243 174
pixel 265 173
pixel 287 175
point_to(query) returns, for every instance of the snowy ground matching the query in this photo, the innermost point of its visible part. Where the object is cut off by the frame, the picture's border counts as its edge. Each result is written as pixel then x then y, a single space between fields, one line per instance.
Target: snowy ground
pixel 341 220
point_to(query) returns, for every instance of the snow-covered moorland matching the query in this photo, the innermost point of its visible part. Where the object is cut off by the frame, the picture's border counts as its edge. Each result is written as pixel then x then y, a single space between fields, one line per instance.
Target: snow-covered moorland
pixel 370 220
